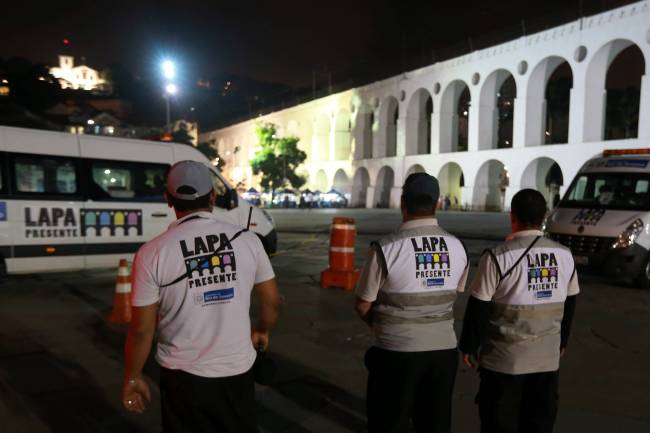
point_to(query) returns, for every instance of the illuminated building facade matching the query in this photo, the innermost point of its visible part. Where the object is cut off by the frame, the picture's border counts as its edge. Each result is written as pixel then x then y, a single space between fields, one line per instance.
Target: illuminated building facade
pixel 75 77
pixel 525 113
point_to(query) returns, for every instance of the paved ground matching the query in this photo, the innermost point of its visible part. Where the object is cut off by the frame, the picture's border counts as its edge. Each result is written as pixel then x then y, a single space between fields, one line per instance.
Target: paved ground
pixel 60 361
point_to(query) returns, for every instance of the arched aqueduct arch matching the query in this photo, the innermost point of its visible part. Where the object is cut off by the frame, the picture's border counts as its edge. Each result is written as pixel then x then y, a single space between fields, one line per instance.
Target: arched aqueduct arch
pixel 385 144
pixel 418 123
pixel 363 136
pixel 454 117
pixel 360 182
pixel 383 186
pixel 342 135
pixel 496 110
pixel 538 110
pixel 452 181
pixel 545 175
pixel 595 79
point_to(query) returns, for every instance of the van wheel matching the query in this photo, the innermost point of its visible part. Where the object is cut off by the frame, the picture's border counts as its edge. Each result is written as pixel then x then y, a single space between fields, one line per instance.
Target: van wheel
pixel 643 280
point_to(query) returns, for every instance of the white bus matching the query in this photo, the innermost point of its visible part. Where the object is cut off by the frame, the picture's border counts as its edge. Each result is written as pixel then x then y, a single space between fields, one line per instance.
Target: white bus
pixel 605 215
pixel 79 202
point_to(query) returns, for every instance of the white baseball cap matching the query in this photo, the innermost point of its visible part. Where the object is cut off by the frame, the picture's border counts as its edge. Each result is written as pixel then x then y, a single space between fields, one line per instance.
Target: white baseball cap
pixel 191 177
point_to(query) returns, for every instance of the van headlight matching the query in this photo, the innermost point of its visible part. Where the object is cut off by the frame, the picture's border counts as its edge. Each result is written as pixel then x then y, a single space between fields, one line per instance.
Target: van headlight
pixel 630 234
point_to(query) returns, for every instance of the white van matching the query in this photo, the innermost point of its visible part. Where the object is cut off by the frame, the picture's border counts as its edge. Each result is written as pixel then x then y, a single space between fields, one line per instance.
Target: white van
pixel 605 215
pixel 79 201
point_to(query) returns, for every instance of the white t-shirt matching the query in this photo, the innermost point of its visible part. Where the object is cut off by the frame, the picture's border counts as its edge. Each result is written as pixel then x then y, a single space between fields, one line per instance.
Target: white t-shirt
pixel 202 279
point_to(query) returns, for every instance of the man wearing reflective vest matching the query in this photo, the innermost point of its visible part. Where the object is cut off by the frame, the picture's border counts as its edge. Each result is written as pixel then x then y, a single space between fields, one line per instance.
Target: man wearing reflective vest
pixel 517 323
pixel 406 293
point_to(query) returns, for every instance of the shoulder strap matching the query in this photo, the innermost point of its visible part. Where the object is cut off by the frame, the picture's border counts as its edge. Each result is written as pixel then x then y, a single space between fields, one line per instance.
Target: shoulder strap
pixel 532 244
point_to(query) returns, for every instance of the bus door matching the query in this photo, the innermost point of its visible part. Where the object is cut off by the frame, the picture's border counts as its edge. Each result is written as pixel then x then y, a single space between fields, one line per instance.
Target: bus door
pixel 41 214
pixel 125 208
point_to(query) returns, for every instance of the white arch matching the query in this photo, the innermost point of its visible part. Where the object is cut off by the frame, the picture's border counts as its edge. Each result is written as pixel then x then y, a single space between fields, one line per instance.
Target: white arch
pixel 450 123
pixel 320 181
pixel 383 186
pixel 489 186
pixel 342 135
pixel 415 168
pixel 451 180
pixel 488 112
pixel 342 184
pixel 386 145
pixel 418 123
pixel 363 132
pixel 595 97
pixel 361 183
pixel 545 175
pixel 536 108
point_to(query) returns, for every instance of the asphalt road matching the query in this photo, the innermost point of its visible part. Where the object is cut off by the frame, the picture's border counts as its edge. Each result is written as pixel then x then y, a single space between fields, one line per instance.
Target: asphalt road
pixel 60 360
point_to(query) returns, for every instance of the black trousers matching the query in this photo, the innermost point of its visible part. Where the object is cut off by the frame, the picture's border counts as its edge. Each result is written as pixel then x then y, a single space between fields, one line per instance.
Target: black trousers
pixel 193 404
pixel 405 386
pixel 524 403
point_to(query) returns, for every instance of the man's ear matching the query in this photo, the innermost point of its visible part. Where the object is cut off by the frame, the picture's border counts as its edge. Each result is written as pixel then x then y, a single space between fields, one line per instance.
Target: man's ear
pixel 213 198
pixel 168 199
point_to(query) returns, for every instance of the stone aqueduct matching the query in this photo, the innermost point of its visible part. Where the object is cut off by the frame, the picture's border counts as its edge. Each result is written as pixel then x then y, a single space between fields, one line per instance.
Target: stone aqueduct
pixel 526 113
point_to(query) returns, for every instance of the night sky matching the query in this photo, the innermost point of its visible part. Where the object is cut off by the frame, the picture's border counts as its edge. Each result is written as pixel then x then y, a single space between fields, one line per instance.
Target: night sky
pixel 278 41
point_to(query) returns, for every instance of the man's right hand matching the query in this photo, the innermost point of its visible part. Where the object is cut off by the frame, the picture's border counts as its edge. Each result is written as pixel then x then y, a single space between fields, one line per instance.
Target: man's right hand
pixel 260 339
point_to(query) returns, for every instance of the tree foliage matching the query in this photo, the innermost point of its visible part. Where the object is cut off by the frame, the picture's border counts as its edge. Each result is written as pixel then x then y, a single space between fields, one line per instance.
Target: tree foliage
pixel 278 159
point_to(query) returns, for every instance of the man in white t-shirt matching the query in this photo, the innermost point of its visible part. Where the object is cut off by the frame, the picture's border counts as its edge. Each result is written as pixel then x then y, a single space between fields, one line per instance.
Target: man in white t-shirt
pixel 193 285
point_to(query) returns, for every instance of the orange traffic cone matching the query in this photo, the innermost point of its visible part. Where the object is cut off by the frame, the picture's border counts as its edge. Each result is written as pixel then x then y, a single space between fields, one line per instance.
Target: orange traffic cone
pixel 122 298
pixel 341 272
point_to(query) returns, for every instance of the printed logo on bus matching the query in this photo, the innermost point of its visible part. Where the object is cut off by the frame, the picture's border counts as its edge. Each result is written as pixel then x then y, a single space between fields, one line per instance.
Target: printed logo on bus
pixel 432 260
pixel 56 222
pixel 107 221
pixel 3 211
pixel 211 260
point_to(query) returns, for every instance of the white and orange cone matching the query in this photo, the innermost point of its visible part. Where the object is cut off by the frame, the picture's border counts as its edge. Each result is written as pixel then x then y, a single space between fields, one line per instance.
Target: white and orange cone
pixel 122 299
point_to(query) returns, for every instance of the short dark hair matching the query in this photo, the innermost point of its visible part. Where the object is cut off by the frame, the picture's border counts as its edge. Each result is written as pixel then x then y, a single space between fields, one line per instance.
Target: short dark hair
pixel 187 205
pixel 529 206
pixel 419 205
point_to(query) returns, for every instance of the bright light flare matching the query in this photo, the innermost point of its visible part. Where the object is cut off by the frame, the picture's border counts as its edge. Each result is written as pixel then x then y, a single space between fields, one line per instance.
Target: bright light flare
pixel 171 89
pixel 169 70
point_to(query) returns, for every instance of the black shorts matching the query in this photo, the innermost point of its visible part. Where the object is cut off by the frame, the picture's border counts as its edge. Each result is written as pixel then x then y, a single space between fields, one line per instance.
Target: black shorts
pixel 193 404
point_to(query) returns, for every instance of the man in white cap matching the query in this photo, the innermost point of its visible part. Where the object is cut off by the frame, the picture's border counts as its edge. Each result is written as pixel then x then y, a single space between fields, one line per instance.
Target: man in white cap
pixel 193 285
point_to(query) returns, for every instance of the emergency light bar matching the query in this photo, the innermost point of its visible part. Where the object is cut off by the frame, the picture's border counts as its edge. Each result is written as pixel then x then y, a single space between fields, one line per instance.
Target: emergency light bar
pixel 614 152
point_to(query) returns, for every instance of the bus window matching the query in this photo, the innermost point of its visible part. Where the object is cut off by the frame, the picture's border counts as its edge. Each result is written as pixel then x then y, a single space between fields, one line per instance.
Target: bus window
pixel 117 180
pixel 223 199
pixel 45 175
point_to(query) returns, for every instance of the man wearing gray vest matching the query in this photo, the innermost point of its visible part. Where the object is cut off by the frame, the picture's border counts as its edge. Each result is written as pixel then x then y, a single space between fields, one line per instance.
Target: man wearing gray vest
pixel 517 323
pixel 406 293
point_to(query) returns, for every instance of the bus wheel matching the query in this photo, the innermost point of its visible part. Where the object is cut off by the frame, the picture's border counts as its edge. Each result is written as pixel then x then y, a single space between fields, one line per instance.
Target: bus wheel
pixel 643 280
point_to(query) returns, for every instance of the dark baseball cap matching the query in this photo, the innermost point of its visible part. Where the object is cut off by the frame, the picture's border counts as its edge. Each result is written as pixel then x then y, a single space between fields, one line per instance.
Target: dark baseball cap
pixel 192 178
pixel 421 184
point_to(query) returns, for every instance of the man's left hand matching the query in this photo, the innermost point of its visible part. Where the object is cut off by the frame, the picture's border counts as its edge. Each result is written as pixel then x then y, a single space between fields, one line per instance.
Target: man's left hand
pixel 260 339
pixel 135 395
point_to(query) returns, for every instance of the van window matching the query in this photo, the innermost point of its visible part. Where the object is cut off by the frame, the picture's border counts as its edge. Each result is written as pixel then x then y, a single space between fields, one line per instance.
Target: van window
pixel 624 191
pixel 45 175
pixel 127 181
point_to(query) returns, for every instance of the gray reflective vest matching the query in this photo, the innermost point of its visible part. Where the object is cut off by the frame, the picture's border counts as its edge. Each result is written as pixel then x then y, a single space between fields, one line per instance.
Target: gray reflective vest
pixel 414 306
pixel 528 306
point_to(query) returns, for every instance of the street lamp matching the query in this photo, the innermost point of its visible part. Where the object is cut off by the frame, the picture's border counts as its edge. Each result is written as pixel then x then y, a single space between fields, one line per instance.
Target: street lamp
pixel 169 72
pixel 170 90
